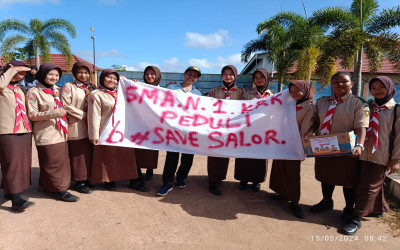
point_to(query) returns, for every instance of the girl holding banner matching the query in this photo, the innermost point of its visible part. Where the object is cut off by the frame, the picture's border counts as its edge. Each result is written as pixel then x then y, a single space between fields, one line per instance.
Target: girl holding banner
pixel 15 137
pixel 146 158
pixel 74 98
pixel 382 152
pixel 258 171
pixel 50 130
pixel 217 167
pixel 110 163
pixel 285 174
pixel 340 112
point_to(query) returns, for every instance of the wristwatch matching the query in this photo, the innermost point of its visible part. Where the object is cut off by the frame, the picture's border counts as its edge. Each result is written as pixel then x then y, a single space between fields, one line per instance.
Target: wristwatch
pixel 360 145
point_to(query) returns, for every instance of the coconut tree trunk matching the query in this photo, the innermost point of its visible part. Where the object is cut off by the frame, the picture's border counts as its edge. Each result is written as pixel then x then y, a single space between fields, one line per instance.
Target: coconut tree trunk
pixel 358 73
pixel 37 62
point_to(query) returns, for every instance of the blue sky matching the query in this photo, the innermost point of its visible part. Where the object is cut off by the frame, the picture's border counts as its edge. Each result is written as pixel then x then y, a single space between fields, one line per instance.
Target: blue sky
pixel 169 34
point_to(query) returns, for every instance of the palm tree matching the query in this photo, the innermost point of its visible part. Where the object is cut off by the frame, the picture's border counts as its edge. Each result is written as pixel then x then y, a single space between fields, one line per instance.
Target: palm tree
pixel 356 30
pixel 286 38
pixel 39 37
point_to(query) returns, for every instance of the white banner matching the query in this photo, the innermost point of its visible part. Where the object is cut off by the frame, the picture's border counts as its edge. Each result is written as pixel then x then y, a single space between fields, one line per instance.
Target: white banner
pixel 158 118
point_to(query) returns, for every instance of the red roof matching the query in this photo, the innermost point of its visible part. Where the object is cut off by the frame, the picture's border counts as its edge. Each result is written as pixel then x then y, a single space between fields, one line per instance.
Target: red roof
pixel 387 67
pixel 59 60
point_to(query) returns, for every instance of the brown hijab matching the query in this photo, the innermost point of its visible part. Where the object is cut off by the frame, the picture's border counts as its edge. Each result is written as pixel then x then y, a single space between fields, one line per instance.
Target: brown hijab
pixel 15 64
pixel 158 75
pixel 262 89
pixel 105 73
pixel 391 91
pixel 233 68
pixel 79 65
pixel 305 88
pixel 44 69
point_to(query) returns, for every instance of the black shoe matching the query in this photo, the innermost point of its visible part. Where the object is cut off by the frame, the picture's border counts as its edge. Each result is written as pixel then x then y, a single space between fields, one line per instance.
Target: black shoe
pixel 138 185
pixel 256 187
pixel 277 197
pixel 81 187
pixel 149 174
pixel 9 197
pixel 296 210
pixel 323 205
pixel 213 188
pixel 243 185
pixel 65 196
pixel 347 215
pixel 352 226
pixel 22 205
pixel 375 214
pixel 89 184
pixel 110 186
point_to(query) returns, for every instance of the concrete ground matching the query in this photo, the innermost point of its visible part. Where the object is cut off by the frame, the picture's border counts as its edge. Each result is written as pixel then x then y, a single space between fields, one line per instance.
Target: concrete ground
pixel 190 218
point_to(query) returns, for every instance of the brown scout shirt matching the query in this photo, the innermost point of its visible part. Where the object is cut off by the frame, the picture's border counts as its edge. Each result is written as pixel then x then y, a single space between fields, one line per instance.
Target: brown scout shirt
pixel 219 93
pixel 41 111
pixel 101 106
pixel 307 118
pixel 352 113
pixel 381 155
pixel 8 105
pixel 73 99
pixel 252 94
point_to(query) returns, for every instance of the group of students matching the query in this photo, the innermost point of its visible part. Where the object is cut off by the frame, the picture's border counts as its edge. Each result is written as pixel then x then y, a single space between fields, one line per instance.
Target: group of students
pixel 67 122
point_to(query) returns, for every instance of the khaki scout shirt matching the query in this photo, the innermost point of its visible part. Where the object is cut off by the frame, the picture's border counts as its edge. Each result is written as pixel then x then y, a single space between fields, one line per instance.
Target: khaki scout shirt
pixel 8 105
pixel 252 94
pixel 219 93
pixel 307 118
pixel 101 106
pixel 381 155
pixel 41 111
pixel 352 113
pixel 74 99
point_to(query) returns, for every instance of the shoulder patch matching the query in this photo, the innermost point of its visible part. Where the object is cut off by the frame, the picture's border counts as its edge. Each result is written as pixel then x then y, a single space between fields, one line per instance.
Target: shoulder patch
pixel 366 110
pixel 31 98
pixel 92 99
pixel 66 91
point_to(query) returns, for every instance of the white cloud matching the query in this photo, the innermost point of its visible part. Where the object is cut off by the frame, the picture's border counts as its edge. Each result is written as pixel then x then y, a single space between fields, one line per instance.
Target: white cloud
pixel 88 54
pixel 5 3
pixel 206 66
pixel 207 41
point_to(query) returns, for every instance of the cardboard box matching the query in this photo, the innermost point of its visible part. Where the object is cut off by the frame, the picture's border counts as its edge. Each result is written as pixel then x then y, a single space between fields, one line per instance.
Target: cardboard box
pixel 329 145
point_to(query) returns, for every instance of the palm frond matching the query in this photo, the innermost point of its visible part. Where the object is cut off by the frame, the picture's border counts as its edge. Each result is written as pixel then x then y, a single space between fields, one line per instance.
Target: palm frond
pixel 388 18
pixel 59 24
pixel 12 24
pixel 253 46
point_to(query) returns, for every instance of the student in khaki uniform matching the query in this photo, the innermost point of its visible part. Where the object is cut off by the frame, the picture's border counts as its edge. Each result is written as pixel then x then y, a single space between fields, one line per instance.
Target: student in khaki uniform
pixel 146 158
pixel 257 172
pixel 339 113
pixel 217 167
pixel 375 158
pixel 74 98
pixel 50 129
pixel 109 163
pixel 15 137
pixel 285 174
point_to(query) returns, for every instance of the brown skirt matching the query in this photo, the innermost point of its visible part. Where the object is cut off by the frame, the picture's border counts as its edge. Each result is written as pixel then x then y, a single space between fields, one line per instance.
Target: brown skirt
pixel 217 168
pixel 285 179
pixel 337 170
pixel 16 161
pixel 146 158
pixel 251 170
pixel 55 172
pixel 112 163
pixel 369 192
pixel 80 155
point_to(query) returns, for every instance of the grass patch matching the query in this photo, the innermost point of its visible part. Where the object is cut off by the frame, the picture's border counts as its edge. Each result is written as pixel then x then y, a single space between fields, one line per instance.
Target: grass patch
pixel 393 217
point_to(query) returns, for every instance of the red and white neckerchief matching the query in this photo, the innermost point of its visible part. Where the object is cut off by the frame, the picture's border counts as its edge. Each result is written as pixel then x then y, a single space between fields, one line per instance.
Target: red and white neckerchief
pixel 298 107
pixel 61 121
pixel 20 113
pixel 87 92
pixel 227 92
pixel 374 125
pixel 266 93
pixel 114 94
pixel 327 123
